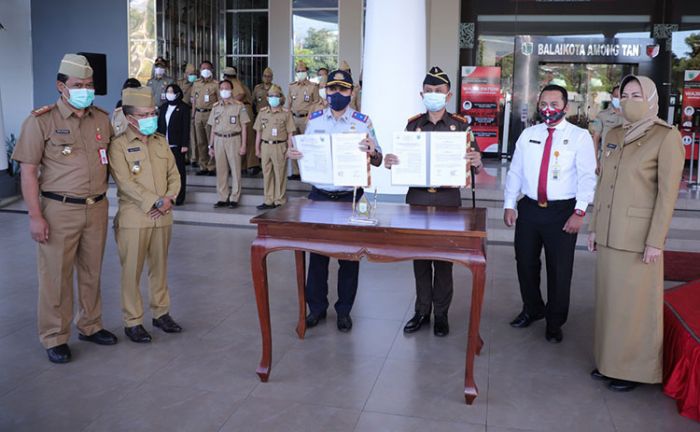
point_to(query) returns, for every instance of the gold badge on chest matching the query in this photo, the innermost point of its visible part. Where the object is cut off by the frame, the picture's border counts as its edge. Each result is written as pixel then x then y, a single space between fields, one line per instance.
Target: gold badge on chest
pixel 136 168
pixel 67 150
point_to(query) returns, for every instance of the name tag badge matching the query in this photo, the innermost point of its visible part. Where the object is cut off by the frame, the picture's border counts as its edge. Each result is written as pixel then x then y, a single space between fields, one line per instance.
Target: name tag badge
pixel 233 119
pixel 162 96
pixel 273 132
pixel 610 148
pixel 206 98
pixel 103 156
pixel 306 97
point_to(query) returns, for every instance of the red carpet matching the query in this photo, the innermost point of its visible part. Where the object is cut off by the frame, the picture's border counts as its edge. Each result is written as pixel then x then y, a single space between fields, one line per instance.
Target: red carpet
pixel 682 348
pixel 681 266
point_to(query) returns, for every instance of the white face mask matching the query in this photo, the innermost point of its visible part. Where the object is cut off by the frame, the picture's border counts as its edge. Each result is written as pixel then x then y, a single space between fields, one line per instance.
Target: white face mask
pixel 225 94
pixel 170 96
pixel 301 76
pixel 322 93
pixel 206 73
pixel 159 71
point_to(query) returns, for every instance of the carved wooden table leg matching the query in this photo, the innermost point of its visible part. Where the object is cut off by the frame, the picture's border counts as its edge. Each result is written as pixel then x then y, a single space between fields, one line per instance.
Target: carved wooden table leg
pixel 258 264
pixel 474 341
pixel 300 259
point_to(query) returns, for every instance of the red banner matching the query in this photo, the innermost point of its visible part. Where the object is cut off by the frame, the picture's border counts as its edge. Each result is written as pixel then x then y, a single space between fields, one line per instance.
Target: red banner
pixel 481 93
pixel 690 112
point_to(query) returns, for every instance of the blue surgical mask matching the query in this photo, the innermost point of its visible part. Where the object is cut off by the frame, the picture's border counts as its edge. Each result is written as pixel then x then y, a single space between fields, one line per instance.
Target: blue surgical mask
pixel 615 102
pixel 81 98
pixel 434 101
pixel 274 101
pixel 191 78
pixel 337 101
pixel 148 125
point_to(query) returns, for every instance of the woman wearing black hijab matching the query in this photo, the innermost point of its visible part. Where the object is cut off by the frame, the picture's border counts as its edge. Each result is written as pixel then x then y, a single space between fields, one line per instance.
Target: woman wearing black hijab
pixel 174 123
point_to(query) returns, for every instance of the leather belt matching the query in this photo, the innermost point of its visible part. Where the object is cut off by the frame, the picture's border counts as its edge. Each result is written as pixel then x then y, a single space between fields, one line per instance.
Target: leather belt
pixel 553 203
pixel 226 135
pixel 274 142
pixel 66 199
pixel 300 114
pixel 202 109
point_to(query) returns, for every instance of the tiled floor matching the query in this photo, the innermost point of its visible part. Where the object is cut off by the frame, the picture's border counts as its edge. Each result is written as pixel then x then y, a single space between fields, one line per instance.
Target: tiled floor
pixel 372 379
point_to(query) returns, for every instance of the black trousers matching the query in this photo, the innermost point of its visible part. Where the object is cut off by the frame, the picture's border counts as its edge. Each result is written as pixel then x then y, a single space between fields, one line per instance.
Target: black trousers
pixel 180 163
pixel 317 279
pixel 434 286
pixel 537 227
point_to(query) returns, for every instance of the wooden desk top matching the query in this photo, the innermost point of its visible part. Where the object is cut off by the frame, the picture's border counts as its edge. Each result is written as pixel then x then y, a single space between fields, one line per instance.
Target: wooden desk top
pixel 465 222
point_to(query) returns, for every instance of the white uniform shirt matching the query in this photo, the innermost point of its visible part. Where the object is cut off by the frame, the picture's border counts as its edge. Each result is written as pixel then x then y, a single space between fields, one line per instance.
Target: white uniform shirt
pixel 575 165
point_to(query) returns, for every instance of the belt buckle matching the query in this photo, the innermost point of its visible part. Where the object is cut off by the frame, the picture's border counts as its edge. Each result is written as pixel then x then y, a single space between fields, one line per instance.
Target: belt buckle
pixel 432 190
pixel 89 201
pixel 543 205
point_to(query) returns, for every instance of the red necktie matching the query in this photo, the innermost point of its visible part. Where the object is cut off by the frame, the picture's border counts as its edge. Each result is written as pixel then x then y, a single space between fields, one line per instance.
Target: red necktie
pixel 544 167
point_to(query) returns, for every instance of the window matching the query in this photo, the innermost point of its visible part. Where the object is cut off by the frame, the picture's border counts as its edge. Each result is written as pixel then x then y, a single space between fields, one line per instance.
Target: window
pixel 246 38
pixel 315 27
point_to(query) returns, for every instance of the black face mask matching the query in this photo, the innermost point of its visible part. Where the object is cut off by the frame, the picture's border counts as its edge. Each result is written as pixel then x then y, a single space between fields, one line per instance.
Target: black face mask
pixel 338 102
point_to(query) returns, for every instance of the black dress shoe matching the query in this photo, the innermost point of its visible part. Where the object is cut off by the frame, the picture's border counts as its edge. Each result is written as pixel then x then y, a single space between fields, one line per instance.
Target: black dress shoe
pixel 619 385
pixel 524 319
pixel 554 336
pixel 211 173
pixel 59 354
pixel 202 173
pixel 312 320
pixel 253 171
pixel 441 328
pixel 102 337
pixel 596 375
pixel 415 323
pixel 294 177
pixel 137 334
pixel 344 323
pixel 220 204
pixel 167 324
pixel 233 204
pixel 264 206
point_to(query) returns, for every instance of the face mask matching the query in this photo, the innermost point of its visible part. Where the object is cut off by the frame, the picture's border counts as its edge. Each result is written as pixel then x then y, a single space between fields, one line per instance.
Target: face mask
pixel 615 102
pixel 434 101
pixel 301 76
pixel 551 116
pixel 206 73
pixel 159 71
pixel 322 93
pixel 148 125
pixel 274 101
pixel 81 98
pixel 337 101
pixel 191 78
pixel 225 94
pixel 633 110
pixel 170 96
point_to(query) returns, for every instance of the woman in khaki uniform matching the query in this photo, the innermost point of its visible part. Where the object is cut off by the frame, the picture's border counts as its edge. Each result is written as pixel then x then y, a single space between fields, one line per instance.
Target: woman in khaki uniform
pixel 642 164
pixel 228 121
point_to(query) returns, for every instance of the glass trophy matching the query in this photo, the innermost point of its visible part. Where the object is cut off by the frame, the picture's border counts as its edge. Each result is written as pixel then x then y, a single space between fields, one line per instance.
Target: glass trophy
pixel 363 212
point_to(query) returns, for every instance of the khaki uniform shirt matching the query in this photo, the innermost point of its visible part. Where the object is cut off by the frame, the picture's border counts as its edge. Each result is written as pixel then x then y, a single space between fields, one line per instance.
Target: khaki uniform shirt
pixel 138 189
pixel 119 123
pixel 228 118
pixel 274 125
pixel 637 189
pixel 205 93
pixel 67 148
pixel 186 87
pixel 158 86
pixel 260 97
pixel 356 99
pixel 302 96
pixel 241 89
pixel 604 121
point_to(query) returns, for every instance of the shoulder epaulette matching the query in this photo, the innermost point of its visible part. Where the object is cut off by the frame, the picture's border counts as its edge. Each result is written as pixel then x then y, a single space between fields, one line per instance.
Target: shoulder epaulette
pixel 359 116
pixel 43 110
pixel 293 83
pixel 459 118
pixel 415 117
pixel 101 109
pixel 158 134
pixel 315 114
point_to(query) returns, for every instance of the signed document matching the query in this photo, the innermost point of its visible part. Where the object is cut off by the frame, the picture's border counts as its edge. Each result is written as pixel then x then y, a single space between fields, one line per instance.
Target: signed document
pixel 350 164
pixel 411 149
pixel 316 164
pixel 448 166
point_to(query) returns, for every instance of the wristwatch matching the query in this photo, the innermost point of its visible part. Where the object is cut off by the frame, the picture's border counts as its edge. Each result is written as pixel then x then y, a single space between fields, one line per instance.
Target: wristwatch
pixel 581 213
pixel 159 203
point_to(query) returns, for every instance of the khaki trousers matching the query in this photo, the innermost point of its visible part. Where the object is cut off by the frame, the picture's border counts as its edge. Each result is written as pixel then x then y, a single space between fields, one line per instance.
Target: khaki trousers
pixel 274 172
pixel 227 157
pixel 136 246
pixel 77 235
pixel 201 133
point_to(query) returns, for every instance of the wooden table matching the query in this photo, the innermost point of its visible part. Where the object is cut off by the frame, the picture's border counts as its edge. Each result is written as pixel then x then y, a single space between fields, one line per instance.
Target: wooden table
pixel 404 233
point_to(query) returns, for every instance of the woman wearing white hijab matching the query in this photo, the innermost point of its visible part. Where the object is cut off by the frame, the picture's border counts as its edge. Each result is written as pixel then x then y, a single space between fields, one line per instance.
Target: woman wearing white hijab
pixel 642 165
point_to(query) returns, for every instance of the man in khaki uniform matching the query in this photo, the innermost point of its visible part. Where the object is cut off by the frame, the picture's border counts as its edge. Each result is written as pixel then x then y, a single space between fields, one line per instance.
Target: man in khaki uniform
pixel 356 100
pixel 274 126
pixel 186 84
pixel 63 153
pixel 159 82
pixel 229 126
pixel 250 164
pixel 260 92
pixel 322 103
pixel 303 94
pixel 148 182
pixel 204 96
pixel 607 119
